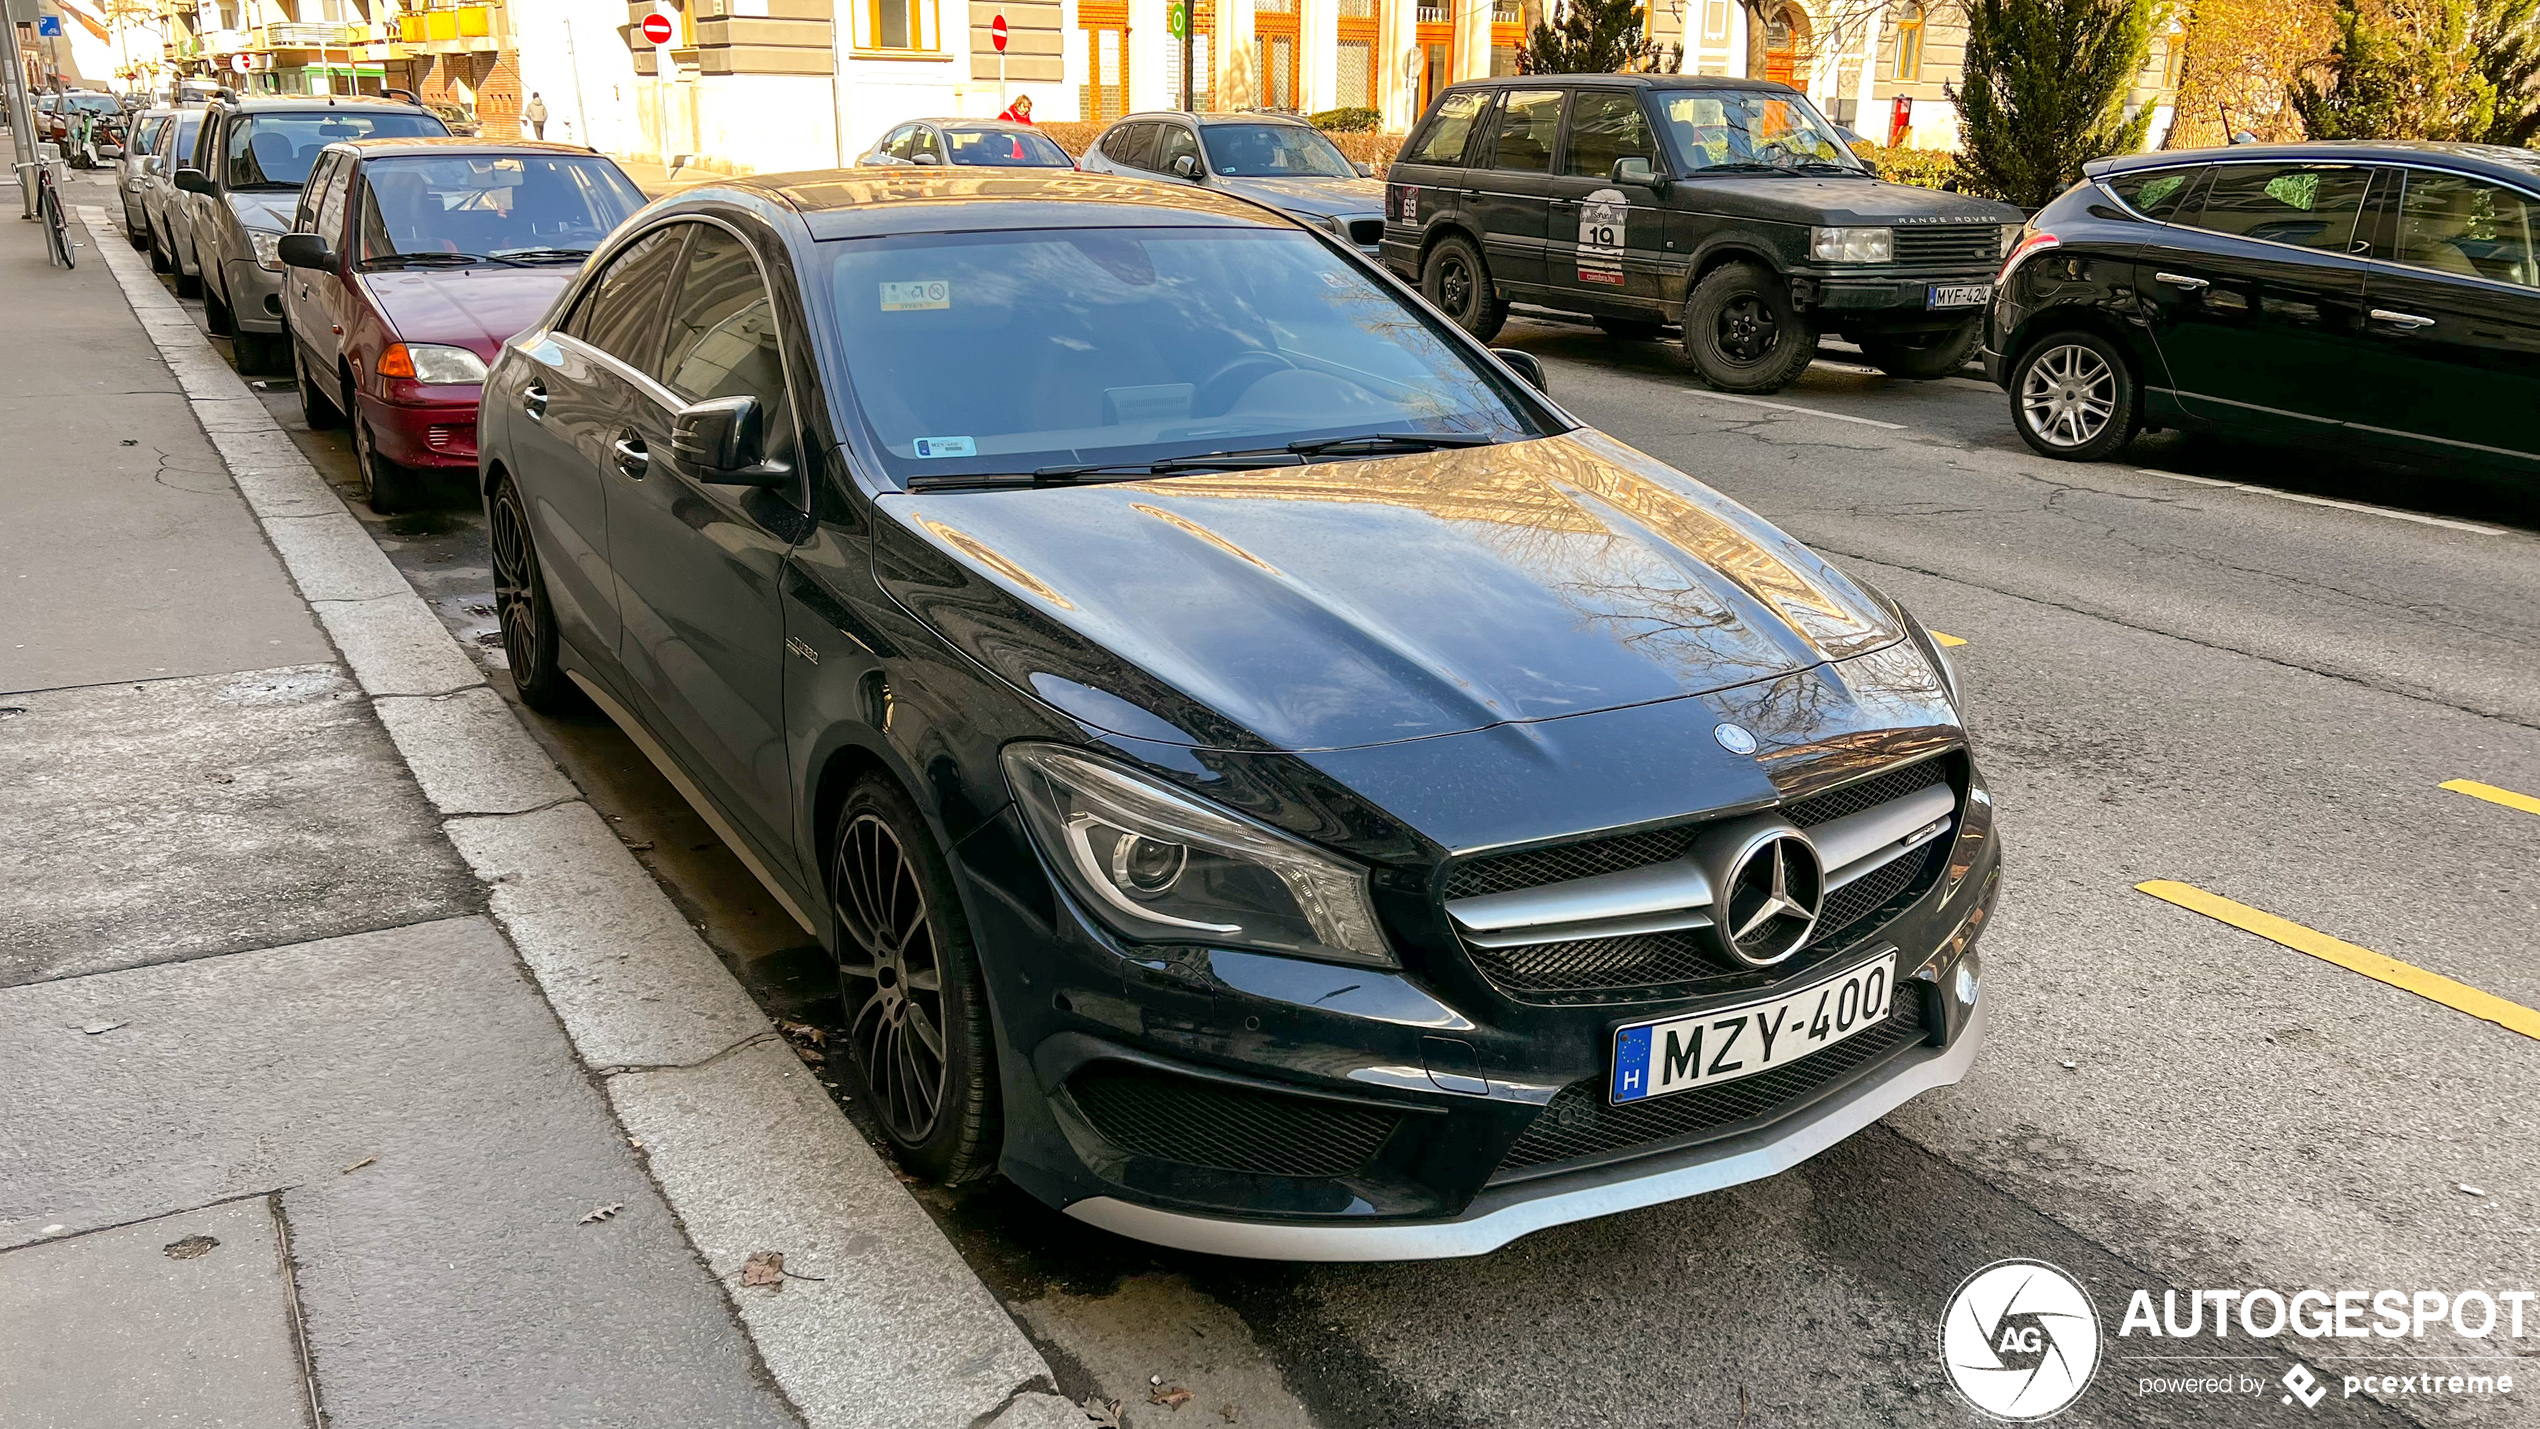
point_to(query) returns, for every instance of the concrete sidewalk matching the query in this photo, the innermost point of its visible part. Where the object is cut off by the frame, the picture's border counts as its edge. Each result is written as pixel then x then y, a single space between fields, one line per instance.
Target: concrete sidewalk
pixel 327 1008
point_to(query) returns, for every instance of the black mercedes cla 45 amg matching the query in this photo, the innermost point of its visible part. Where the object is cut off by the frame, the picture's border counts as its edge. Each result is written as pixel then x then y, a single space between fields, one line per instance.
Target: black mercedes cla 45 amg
pixel 1273 783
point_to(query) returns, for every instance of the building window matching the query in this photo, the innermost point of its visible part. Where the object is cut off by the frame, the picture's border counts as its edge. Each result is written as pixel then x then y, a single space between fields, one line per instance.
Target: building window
pixel 2173 60
pixel 1715 21
pixel 1105 93
pixel 897 25
pixel 1905 53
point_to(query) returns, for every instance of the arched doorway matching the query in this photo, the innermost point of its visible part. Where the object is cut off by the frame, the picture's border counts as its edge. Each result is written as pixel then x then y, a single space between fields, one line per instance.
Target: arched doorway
pixel 1786 36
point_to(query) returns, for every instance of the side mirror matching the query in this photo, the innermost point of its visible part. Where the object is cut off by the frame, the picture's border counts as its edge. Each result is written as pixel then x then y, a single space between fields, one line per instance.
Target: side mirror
pixel 723 443
pixel 305 250
pixel 1526 365
pixel 1635 170
pixel 1186 166
pixel 1365 171
pixel 193 181
pixel 928 160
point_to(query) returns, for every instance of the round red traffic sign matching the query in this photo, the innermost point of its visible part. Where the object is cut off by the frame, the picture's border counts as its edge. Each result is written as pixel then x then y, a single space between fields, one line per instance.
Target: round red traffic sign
pixel 996 33
pixel 657 29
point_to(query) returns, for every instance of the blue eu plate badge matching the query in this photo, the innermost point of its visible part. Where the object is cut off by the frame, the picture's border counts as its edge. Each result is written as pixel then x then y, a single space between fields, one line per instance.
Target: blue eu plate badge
pixel 1631 1065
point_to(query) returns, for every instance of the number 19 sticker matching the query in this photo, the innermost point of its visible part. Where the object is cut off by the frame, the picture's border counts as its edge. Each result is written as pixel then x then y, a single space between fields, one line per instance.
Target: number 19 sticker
pixel 1602 217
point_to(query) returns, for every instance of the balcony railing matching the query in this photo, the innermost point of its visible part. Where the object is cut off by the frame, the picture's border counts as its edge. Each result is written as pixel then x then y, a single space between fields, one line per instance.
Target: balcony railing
pixel 1432 15
pixel 302 37
pixel 226 42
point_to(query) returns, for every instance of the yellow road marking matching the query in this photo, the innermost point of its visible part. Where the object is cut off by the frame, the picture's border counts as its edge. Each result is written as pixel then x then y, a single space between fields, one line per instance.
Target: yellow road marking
pixel 2407 977
pixel 2493 795
pixel 1945 640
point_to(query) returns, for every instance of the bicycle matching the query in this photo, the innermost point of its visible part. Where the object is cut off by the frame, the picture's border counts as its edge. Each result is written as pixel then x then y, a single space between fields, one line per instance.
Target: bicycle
pixel 48 208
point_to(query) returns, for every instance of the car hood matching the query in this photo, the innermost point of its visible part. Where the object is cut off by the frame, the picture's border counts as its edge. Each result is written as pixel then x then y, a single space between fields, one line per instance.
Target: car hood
pixel 1316 196
pixel 475 308
pixel 269 210
pixel 1347 604
pixel 1804 198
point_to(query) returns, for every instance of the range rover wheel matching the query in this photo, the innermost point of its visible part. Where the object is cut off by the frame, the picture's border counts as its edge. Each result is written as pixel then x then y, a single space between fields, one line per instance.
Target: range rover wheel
pixel 916 1010
pixel 1457 283
pixel 1743 332
pixel 520 603
pixel 2073 397
pixel 1921 357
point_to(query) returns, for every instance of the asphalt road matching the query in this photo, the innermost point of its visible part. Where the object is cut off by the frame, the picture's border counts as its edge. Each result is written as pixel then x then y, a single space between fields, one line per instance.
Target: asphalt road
pixel 2169 679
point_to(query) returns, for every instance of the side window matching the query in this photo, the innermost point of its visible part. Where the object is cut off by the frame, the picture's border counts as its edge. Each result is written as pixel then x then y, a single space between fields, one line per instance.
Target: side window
pixel 722 340
pixel 921 141
pixel 894 145
pixel 1528 122
pixel 206 144
pixel 619 314
pixel 330 218
pixel 1607 125
pixel 2467 226
pixel 2307 205
pixel 1131 144
pixel 2155 193
pixel 313 194
pixel 1175 142
pixel 1443 141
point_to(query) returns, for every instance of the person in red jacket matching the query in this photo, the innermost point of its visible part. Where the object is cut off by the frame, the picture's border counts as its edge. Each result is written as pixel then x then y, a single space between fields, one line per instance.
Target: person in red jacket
pixel 1020 111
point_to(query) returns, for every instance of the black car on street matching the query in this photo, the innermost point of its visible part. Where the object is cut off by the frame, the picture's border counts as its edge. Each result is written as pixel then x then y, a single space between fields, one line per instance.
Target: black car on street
pixel 1728 205
pixel 2369 295
pixel 1273 783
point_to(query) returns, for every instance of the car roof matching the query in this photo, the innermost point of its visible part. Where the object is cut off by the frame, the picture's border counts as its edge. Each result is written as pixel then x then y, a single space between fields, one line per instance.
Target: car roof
pixel 1633 81
pixel 1234 116
pixel 1006 125
pixel 295 103
pixel 2495 159
pixel 393 147
pixel 861 203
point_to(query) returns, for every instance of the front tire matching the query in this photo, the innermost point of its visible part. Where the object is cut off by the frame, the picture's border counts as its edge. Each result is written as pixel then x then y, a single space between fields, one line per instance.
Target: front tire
pixel 387 488
pixel 188 285
pixel 528 619
pixel 258 352
pixel 215 306
pixel 1456 281
pixel 2074 397
pixel 908 976
pixel 1923 357
pixel 1744 333
pixel 316 408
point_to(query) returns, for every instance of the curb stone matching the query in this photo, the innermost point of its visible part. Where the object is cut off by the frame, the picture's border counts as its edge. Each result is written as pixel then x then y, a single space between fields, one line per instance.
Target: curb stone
pixel 740 1140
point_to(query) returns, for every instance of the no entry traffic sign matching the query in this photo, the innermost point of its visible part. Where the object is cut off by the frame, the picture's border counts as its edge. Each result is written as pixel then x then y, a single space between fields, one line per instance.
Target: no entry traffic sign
pixel 996 32
pixel 657 28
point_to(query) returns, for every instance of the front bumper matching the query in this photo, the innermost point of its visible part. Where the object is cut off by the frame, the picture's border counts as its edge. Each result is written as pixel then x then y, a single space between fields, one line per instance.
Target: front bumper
pixel 425 432
pixel 255 296
pixel 1888 301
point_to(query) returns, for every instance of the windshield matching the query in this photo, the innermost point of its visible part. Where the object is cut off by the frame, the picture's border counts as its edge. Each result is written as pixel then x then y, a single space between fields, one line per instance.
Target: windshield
pixel 92 103
pixel 276 150
pixel 1736 129
pixel 1005 148
pixel 1273 151
pixel 489 206
pixel 981 353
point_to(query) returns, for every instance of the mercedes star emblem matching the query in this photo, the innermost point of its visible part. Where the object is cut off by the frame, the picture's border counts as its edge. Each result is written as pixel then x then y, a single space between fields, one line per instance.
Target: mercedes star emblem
pixel 1734 739
pixel 1772 899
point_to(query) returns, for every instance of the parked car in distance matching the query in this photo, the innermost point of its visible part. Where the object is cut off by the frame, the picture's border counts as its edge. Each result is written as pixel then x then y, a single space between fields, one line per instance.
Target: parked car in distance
pixel 241 188
pixel 1728 205
pixel 1271 159
pixel 461 122
pixel 105 116
pixel 408 263
pixel 139 156
pixel 2379 296
pixel 966 143
pixel 1274 784
pixel 163 209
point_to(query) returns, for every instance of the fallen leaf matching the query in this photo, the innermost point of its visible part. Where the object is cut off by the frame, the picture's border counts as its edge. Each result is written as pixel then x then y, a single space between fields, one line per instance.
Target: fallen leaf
pixel 639 845
pixel 814 1035
pixel 356 1166
pixel 765 1268
pixel 1173 1398
pixel 93 1028
pixel 190 1248
pixel 1101 1415
pixel 601 1213
pixel 811 1056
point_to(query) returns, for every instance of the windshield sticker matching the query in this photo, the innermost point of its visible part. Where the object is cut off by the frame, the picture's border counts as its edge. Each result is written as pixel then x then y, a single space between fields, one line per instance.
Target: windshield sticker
pixel 1602 216
pixel 945 446
pixel 916 297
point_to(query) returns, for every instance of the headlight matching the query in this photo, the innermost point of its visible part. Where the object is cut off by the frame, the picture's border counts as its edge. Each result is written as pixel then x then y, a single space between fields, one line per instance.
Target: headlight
pixel 1157 865
pixel 431 362
pixel 1852 245
pixel 268 248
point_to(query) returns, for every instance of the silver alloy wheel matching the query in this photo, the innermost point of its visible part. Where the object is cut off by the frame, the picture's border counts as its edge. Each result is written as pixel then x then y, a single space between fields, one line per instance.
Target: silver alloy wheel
pixel 2069 395
pixel 895 995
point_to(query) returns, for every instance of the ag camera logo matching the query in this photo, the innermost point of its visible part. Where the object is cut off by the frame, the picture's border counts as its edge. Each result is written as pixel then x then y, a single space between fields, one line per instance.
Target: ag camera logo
pixel 2020 1340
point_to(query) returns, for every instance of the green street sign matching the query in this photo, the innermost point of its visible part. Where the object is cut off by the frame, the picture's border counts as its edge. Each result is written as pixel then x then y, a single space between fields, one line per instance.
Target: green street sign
pixel 1177 20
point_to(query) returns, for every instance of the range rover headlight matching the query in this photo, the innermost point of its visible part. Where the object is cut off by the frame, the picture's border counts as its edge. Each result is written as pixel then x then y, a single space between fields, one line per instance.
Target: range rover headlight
pixel 1157 865
pixel 1852 245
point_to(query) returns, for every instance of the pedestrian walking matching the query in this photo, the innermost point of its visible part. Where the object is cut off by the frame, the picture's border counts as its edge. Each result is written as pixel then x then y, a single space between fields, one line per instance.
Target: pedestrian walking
pixel 1020 111
pixel 536 114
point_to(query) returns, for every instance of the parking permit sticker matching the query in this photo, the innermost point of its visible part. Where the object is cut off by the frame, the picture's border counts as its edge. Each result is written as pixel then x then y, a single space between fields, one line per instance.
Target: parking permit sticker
pixel 916 297
pixel 1602 216
pixel 946 446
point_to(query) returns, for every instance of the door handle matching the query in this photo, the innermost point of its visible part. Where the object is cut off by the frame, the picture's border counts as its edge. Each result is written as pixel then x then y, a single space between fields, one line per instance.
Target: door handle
pixel 2181 280
pixel 632 457
pixel 533 400
pixel 2409 321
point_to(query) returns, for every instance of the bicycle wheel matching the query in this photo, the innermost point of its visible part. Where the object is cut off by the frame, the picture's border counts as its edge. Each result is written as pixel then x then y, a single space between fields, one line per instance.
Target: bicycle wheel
pixel 57 233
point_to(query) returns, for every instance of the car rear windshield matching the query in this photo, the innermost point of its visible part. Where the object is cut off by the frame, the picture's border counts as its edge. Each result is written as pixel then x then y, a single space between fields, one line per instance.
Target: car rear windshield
pixel 483 207
pixel 1007 352
pixel 275 150
pixel 1003 148
pixel 1273 151
pixel 91 103
pixel 1747 130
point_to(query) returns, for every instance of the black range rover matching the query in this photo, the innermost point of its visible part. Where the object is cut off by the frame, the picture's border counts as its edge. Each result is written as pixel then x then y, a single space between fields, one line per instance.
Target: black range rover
pixel 1726 204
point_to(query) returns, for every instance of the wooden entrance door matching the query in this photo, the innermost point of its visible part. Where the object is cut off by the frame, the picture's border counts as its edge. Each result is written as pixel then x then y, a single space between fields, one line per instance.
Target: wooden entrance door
pixel 1105 93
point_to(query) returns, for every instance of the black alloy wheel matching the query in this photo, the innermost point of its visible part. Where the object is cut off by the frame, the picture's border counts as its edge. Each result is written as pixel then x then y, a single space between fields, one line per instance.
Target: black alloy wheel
pixel 317 406
pixel 521 605
pixel 1743 332
pixel 1921 357
pixel 386 486
pixel 915 1010
pixel 2074 398
pixel 1457 283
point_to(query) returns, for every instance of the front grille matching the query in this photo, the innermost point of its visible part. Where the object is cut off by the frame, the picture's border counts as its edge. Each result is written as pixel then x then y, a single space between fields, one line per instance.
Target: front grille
pixel 1367 232
pixel 1509 871
pixel 1580 1123
pixel 1865 794
pixel 1230 1128
pixel 1955 243
pixel 1863 906
pixel 1601 964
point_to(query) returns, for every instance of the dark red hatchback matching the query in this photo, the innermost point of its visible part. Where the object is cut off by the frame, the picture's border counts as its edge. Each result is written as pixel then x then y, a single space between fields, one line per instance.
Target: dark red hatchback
pixel 410 262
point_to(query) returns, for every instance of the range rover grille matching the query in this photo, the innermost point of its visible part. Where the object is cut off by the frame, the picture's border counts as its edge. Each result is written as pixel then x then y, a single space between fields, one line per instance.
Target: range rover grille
pixel 1951 243
pixel 1579 1122
pixel 1229 1128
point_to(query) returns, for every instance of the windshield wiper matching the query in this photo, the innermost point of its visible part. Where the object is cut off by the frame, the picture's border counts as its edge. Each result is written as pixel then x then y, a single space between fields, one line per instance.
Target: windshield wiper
pixel 1828 166
pixel 576 254
pixel 1293 454
pixel 1417 441
pixel 1205 461
pixel 438 258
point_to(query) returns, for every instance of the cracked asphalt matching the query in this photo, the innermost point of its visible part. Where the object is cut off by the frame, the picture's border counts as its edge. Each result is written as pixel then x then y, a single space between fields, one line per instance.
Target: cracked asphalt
pixel 2167 679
